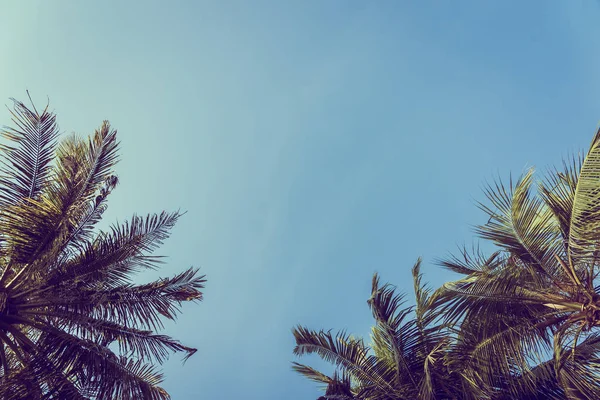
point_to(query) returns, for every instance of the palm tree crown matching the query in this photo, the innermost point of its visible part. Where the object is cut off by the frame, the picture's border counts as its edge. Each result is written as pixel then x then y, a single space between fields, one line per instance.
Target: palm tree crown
pixel 73 324
pixel 528 314
pixel 521 324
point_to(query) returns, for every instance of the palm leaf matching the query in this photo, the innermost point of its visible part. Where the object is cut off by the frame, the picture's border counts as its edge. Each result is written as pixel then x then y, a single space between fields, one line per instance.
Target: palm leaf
pixel 27 161
pixel 341 350
pixel 522 224
pixel 585 217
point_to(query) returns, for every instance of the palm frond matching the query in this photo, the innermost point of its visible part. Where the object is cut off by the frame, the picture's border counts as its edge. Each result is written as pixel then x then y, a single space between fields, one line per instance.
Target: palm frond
pixel 522 224
pixel 27 161
pixel 140 306
pixel 472 262
pixel 385 306
pixel 558 192
pixel 343 351
pixel 585 217
pixel 115 254
pixel 311 373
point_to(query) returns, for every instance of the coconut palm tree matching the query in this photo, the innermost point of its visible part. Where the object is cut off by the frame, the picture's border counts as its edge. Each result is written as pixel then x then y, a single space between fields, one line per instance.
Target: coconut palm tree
pixel 529 315
pixel 404 361
pixel 73 323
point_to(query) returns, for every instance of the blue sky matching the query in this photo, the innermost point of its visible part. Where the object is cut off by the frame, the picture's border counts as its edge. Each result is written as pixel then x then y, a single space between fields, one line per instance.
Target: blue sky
pixel 311 142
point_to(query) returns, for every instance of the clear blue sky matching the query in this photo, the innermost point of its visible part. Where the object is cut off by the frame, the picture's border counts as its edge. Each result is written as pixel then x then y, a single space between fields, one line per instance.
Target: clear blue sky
pixel 311 142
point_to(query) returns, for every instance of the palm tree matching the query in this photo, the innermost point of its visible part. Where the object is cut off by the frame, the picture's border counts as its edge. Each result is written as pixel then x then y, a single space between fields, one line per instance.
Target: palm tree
pixel 405 361
pixel 528 315
pixel 73 324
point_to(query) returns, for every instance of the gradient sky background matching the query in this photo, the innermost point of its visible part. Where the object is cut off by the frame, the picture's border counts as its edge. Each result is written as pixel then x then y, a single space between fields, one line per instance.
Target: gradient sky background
pixel 311 142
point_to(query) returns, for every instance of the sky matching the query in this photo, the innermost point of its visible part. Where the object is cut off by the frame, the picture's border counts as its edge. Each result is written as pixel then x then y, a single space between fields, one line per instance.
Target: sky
pixel 311 143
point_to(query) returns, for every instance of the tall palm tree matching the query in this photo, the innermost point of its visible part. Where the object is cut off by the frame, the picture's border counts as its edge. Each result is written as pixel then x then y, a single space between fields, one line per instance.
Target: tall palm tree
pixel 405 361
pixel 73 323
pixel 529 315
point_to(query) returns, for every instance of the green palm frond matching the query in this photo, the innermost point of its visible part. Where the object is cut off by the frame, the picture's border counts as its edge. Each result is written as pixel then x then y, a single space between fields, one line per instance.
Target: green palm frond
pixel 521 224
pixel 83 180
pixel 340 350
pixel 385 305
pixel 115 254
pixel 311 373
pixel 82 230
pixel 558 192
pixel 336 386
pixel 147 345
pixel 28 157
pixel 393 332
pixel 584 227
pixel 472 262
pixel 422 294
pixel 138 306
